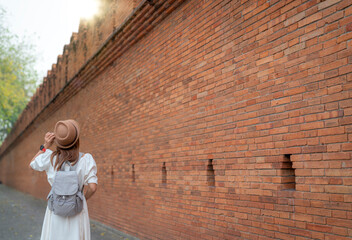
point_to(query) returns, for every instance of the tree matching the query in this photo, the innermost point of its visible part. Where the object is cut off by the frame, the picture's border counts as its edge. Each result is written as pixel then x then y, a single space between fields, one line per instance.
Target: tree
pixel 17 76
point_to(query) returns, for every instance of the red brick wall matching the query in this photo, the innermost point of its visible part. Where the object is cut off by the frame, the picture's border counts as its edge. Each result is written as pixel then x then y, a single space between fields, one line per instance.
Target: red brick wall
pixel 263 88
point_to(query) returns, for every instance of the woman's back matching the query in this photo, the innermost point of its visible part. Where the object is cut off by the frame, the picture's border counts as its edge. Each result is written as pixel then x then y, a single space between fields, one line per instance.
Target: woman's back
pixel 66 138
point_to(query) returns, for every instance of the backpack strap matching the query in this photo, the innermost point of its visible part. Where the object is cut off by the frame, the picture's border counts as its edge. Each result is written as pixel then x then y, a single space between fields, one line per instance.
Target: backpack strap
pixel 63 166
pixel 72 168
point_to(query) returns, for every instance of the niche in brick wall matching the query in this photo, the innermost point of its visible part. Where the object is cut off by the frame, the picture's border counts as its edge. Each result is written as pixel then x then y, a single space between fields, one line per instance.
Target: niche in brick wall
pixel 210 173
pixel 133 178
pixel 112 172
pixel 163 174
pixel 288 176
pixel 112 175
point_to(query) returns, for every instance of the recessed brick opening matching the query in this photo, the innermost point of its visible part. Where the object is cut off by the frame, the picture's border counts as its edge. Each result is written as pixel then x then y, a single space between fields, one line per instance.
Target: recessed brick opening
pixel 210 173
pixel 288 173
pixel 164 174
pixel 133 174
pixel 112 175
pixel 112 171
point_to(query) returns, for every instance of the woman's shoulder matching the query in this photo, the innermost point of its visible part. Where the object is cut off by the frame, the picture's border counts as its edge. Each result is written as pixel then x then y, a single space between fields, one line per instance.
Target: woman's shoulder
pixel 88 158
pixel 86 155
pixel 87 162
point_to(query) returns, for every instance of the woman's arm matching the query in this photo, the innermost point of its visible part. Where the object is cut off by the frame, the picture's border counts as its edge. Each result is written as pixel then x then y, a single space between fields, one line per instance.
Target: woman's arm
pixel 48 141
pixel 92 188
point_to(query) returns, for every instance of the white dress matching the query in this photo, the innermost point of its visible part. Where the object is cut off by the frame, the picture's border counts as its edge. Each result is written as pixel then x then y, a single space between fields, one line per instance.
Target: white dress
pixel 67 228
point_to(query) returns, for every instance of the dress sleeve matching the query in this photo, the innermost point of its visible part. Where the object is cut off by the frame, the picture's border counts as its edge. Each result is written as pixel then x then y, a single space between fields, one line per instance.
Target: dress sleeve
pixel 90 175
pixel 42 161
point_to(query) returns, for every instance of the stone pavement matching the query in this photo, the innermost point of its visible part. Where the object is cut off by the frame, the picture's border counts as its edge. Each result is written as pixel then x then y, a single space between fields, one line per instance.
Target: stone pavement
pixel 21 218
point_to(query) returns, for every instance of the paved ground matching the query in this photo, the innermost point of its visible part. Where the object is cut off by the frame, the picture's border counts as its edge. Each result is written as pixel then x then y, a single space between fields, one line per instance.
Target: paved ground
pixel 21 218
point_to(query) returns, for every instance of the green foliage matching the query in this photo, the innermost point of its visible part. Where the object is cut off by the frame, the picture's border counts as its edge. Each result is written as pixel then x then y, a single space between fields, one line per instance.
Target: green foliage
pixel 17 76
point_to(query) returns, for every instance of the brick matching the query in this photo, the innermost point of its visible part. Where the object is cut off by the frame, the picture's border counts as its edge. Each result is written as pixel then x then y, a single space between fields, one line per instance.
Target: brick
pixel 345 69
pixel 344 37
pixel 319 228
pixel 295 48
pixel 339 222
pixel 326 4
pixel 312 125
pixel 346 146
pixel 294 19
pixel 312 34
pixel 265 60
pixel 333 65
pixel 338 189
pixel 336 156
pixel 339 214
pixel 310 19
pixel 335 181
pixel 331 131
pixel 345 120
pixel 338 172
pixel 344 21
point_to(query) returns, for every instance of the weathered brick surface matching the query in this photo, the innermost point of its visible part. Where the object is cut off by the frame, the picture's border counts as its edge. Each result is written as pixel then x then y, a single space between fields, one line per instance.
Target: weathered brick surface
pixel 263 88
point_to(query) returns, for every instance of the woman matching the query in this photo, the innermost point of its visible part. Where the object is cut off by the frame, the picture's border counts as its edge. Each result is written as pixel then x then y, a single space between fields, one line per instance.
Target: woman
pixel 66 139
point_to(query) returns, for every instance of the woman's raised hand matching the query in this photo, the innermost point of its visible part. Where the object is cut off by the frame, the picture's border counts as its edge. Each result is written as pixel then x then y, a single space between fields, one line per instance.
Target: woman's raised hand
pixel 49 139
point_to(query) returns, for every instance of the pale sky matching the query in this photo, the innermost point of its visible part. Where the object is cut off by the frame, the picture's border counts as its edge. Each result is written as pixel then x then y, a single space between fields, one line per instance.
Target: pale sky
pixel 47 24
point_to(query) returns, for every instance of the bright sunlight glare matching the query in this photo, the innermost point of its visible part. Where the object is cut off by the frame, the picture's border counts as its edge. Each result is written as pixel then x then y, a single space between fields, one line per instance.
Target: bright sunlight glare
pixel 86 8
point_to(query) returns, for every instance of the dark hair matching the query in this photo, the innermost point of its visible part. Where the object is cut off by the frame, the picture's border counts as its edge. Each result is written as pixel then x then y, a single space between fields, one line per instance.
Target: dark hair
pixel 70 154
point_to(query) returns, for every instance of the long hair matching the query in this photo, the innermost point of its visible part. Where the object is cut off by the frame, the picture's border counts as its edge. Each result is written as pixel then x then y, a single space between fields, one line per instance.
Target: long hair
pixel 70 154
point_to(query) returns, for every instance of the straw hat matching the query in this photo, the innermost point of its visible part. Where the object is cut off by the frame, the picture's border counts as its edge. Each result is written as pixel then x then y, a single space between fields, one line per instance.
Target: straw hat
pixel 66 133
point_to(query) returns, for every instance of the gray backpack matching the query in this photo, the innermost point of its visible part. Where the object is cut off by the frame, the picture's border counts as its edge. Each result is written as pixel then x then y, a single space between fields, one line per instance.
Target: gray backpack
pixel 66 198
